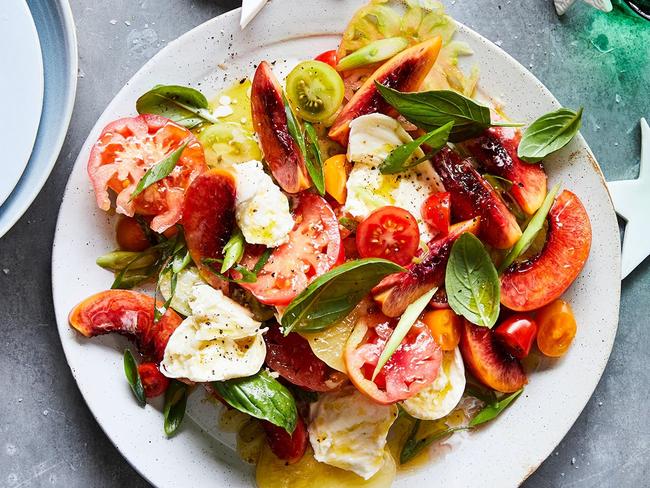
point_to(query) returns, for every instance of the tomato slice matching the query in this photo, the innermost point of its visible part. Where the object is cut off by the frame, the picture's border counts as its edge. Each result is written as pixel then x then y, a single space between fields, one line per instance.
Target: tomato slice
pixel 126 149
pixel 436 212
pixel 315 90
pixel 412 367
pixel 292 357
pixel 130 235
pixel 153 381
pixel 288 447
pixel 517 333
pixel 391 233
pixel 314 247
pixel 328 57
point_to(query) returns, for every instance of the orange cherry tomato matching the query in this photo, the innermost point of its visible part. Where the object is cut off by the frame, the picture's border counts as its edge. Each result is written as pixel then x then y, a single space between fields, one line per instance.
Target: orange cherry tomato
pixel 445 327
pixel 556 328
pixel 436 212
pixel 153 381
pixel 130 236
pixel 390 233
pixel 517 333
pixel 328 57
pixel 335 172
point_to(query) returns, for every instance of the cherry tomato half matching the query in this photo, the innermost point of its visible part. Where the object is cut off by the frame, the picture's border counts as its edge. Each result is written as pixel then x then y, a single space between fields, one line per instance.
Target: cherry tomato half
pixel 288 447
pixel 445 327
pixel 436 212
pixel 328 57
pixel 412 367
pixel 154 382
pixel 390 233
pixel 517 333
pixel 130 236
pixel 314 247
pixel 556 328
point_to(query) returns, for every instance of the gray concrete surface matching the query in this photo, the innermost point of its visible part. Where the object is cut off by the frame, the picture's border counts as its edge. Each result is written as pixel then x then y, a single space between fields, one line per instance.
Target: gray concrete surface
pixel 47 435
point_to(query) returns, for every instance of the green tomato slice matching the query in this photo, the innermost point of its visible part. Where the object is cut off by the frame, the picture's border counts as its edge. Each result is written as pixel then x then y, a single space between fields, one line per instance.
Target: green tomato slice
pixel 228 143
pixel 315 90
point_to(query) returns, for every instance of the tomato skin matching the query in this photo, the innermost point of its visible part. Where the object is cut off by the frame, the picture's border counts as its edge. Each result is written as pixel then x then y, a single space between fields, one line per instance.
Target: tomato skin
pixel 412 367
pixel 517 333
pixel 556 328
pixel 126 149
pixel 390 233
pixel 436 211
pixel 292 357
pixel 154 382
pixel 314 247
pixel 289 448
pixel 328 57
pixel 130 236
pixel 445 327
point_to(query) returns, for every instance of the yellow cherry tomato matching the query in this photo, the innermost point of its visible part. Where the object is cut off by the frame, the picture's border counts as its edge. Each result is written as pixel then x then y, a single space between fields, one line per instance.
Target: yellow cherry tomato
pixel 335 171
pixel 445 327
pixel 556 328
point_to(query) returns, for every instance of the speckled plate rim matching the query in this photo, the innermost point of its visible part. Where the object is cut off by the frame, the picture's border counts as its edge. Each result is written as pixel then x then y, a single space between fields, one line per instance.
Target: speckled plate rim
pixel 525 437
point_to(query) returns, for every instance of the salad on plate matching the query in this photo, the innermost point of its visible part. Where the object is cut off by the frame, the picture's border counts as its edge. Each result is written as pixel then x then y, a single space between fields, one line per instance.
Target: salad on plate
pixel 354 263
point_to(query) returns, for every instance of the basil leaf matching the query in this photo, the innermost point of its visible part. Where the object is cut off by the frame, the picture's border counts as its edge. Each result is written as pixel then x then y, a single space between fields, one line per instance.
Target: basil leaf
pixel 492 410
pixel 133 377
pixel 333 295
pixel 433 109
pixel 233 251
pixel 531 230
pixel 414 446
pixel 472 282
pixel 405 323
pixel 549 133
pixel 175 403
pixel 260 396
pixel 314 161
pixel 185 106
pixel 158 171
pixel 398 159
pixel 294 127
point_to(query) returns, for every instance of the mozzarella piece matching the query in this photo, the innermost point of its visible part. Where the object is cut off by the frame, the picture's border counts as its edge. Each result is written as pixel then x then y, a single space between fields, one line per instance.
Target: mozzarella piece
pixel 444 394
pixel 219 341
pixel 348 430
pixel 372 138
pixel 261 209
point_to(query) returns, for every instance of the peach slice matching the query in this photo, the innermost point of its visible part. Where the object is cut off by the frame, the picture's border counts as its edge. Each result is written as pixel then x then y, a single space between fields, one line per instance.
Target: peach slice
pixel 404 72
pixel 540 280
pixel 128 313
pixel 399 290
pixel 208 219
pixel 472 195
pixel 281 152
pixel 496 151
pixel 488 361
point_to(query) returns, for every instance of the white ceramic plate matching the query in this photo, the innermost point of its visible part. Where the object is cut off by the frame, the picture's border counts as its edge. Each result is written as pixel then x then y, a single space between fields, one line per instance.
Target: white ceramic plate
pixel 502 454
pixel 22 83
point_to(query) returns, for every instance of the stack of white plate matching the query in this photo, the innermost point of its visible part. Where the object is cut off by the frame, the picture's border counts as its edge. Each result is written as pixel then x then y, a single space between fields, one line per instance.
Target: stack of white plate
pixel 38 53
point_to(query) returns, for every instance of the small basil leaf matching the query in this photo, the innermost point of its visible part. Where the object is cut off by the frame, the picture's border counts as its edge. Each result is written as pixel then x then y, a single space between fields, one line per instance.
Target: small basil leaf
pixel 472 282
pixel 294 127
pixel 531 230
pixel 260 396
pixel 405 323
pixel 432 109
pixel 185 106
pixel 233 250
pixel 493 410
pixel 133 377
pixel 398 159
pixel 158 171
pixel 548 134
pixel 314 161
pixel 175 403
pixel 414 446
pixel 333 295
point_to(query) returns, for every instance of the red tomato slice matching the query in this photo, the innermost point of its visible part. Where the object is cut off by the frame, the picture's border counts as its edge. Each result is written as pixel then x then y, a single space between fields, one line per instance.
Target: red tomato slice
pixel 390 233
pixel 436 212
pixel 289 448
pixel 126 149
pixel 314 247
pixel 292 357
pixel 328 57
pixel 154 382
pixel 412 367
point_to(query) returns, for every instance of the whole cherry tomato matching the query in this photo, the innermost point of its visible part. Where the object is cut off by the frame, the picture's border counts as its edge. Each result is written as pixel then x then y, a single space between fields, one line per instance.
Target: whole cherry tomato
pixel 153 381
pixel 436 212
pixel 557 328
pixel 130 235
pixel 328 57
pixel 445 327
pixel 517 333
pixel 390 233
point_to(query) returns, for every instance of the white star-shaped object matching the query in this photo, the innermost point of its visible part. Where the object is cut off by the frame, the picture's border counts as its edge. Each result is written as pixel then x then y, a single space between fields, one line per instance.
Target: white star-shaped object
pixel 632 202
pixel 561 6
